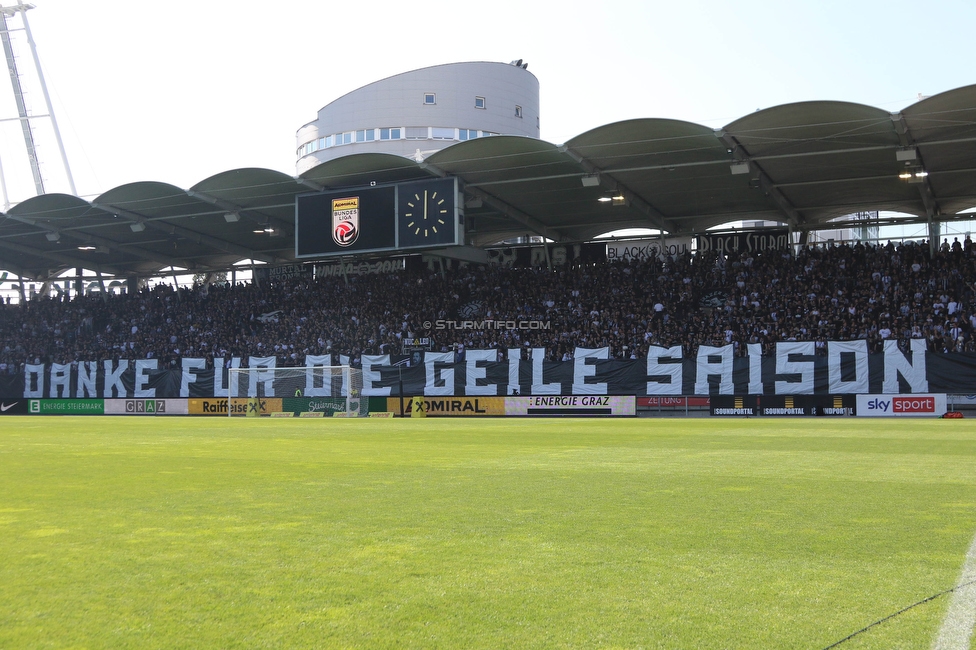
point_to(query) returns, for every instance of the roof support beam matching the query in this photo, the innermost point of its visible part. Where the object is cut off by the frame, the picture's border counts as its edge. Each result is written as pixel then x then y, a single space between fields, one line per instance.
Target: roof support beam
pixel 259 217
pixel 510 211
pixel 932 208
pixel 192 235
pixel 657 219
pixel 766 184
pixel 309 184
pixel 88 238
pixel 59 258
pixel 514 213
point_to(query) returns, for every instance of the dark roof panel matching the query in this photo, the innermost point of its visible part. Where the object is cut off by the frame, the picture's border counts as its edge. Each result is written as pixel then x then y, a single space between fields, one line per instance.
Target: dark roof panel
pixel 802 163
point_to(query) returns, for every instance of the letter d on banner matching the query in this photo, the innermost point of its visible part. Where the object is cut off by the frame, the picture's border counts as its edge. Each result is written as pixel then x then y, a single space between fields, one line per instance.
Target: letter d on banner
pixel 417 408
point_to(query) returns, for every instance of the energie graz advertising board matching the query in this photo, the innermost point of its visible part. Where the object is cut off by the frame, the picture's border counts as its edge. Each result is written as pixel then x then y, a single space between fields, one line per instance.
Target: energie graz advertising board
pixel 416 215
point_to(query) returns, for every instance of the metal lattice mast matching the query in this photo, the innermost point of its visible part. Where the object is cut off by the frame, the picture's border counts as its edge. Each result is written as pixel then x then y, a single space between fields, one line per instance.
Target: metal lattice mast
pixel 47 98
pixel 23 115
pixel 8 52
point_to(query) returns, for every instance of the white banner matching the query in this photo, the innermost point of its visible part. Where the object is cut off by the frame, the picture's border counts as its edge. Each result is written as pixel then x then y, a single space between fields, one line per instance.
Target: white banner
pixel 571 405
pixel 146 407
pixel 903 406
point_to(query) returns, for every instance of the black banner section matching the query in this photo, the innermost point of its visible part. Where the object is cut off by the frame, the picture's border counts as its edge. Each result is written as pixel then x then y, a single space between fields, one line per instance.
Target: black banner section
pixel 746 242
pixel 734 405
pixel 13 407
pixel 815 405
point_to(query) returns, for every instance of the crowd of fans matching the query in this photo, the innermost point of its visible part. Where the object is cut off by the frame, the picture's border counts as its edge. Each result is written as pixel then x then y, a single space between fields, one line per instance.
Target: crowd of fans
pixel 821 293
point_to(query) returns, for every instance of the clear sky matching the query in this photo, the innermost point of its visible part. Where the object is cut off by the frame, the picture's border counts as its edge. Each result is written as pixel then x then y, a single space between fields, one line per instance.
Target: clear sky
pixel 178 92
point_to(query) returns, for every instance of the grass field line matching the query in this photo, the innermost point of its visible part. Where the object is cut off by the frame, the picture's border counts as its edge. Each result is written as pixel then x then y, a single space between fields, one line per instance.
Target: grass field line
pixel 957 627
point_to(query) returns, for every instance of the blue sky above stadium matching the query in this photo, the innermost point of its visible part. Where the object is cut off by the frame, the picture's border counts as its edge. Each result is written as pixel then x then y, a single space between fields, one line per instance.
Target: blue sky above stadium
pixel 178 92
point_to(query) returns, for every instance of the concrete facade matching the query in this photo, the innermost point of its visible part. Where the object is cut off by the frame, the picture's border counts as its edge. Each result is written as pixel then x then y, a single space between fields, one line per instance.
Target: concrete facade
pixel 417 113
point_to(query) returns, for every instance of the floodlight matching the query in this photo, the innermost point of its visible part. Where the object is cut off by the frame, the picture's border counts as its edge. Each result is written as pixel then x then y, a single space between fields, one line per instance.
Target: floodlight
pixel 906 155
pixel 137 227
pixel 591 180
pixel 739 168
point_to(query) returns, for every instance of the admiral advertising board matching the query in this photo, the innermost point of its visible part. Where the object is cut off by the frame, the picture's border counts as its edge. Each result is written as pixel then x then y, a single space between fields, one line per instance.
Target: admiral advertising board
pixel 902 406
pixel 452 406
pixel 422 214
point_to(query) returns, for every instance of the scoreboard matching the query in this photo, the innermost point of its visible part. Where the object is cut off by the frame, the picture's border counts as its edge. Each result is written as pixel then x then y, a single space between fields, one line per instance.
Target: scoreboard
pixel 381 218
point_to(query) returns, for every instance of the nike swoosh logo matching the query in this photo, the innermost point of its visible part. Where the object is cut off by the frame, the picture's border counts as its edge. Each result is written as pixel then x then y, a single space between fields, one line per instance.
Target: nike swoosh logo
pixel 7 407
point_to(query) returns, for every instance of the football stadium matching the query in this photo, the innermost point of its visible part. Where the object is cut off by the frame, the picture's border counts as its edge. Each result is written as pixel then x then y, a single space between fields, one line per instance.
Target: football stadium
pixel 452 385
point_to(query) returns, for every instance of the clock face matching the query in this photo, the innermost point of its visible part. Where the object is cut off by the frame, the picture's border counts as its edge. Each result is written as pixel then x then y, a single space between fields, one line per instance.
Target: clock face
pixel 427 214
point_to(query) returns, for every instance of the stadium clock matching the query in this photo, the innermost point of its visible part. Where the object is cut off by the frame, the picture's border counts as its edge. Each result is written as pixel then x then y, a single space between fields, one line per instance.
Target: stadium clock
pixel 426 213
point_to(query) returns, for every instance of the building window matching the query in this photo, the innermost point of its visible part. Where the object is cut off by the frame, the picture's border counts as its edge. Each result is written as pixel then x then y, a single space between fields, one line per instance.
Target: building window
pixel 415 133
pixel 479 102
pixel 389 134
pixel 429 99
pixel 518 111
pixel 329 140
pixel 370 135
pixel 344 138
pixel 440 133
pixel 361 136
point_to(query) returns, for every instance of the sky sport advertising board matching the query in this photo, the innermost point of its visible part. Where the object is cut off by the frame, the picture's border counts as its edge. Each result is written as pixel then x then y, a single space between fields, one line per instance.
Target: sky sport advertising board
pixel 404 216
pixel 902 406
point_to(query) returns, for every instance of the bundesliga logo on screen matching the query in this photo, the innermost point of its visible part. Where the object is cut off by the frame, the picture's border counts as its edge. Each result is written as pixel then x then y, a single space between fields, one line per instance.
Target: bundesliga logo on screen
pixel 345 220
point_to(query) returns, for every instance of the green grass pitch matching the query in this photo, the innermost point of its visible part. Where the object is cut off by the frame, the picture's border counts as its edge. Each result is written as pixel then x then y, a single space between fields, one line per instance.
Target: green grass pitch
pixel 133 532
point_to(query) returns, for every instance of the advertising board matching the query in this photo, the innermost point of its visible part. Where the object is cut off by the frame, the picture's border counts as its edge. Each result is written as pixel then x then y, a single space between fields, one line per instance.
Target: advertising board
pixel 672 402
pixel 240 405
pixel 806 405
pixel 574 405
pixel 734 405
pixel 327 405
pixel 902 406
pixel 452 406
pixel 66 406
pixel 13 407
pixel 146 407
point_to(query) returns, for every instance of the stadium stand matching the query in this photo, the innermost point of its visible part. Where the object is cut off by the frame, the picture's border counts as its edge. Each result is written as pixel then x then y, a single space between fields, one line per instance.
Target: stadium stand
pixel 836 292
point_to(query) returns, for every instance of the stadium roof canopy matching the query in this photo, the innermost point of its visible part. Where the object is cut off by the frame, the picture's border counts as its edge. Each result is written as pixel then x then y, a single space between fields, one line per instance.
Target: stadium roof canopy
pixel 802 164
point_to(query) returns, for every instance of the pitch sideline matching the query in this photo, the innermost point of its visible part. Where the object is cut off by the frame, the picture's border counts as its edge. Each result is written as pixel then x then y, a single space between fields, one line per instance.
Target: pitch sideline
pixel 957 627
